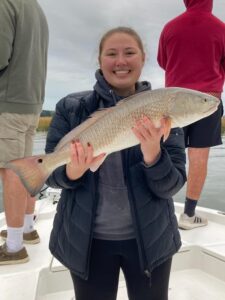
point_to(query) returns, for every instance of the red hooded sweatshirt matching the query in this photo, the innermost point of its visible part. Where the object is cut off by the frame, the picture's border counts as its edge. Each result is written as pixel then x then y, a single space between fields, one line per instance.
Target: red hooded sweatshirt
pixel 192 49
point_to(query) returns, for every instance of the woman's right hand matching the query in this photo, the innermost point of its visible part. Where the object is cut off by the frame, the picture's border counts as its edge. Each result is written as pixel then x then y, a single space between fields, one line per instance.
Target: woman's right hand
pixel 81 160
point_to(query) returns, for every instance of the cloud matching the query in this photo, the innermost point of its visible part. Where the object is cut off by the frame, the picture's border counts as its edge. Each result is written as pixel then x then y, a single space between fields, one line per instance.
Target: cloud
pixel 76 28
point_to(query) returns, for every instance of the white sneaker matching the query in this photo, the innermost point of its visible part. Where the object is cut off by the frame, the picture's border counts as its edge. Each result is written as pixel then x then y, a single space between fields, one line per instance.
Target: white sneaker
pixel 188 223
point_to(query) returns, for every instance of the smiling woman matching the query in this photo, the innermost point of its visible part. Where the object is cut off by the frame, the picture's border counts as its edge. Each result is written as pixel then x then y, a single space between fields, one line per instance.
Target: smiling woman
pixel 105 208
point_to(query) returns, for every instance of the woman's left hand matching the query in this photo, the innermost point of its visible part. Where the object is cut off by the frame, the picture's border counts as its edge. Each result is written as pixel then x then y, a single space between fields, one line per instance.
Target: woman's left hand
pixel 150 136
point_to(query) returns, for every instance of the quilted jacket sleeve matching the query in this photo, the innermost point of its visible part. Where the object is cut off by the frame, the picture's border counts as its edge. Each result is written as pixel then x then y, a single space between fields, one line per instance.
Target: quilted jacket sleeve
pixel 168 175
pixel 61 124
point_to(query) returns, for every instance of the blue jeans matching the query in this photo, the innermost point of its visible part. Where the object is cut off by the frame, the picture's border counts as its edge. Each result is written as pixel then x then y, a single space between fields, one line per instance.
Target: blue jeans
pixel 107 257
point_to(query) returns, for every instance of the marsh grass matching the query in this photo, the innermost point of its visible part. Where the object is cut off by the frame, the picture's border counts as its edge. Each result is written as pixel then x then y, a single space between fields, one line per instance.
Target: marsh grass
pixel 44 123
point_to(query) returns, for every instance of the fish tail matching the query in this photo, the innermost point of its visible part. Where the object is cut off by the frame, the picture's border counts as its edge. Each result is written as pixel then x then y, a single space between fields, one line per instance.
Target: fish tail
pixel 32 172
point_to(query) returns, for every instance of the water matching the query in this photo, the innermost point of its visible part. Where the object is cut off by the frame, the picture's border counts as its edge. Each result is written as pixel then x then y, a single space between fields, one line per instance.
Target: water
pixel 213 195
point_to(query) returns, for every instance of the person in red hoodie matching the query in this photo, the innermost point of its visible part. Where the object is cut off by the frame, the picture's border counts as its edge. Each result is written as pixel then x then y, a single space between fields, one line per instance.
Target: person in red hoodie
pixel 192 53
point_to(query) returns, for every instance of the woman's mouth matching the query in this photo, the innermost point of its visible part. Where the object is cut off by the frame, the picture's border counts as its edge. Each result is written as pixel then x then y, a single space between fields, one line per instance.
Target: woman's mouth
pixel 121 72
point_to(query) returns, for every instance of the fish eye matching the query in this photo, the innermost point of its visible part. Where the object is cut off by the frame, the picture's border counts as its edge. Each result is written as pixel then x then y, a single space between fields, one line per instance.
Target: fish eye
pixel 40 160
pixel 204 100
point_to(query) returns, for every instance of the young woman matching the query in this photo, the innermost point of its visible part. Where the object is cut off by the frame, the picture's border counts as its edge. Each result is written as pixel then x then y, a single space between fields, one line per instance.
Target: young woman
pixel 122 216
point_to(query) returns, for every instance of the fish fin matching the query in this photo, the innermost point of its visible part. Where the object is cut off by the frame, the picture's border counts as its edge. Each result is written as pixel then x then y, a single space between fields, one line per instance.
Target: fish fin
pixel 31 171
pixel 167 130
pixel 94 167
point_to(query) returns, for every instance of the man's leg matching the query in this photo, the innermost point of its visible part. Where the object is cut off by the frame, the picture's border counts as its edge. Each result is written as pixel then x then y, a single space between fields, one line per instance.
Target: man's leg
pixel 199 137
pixel 19 207
pixel 15 203
pixel 197 172
pixel 19 212
pixel 30 205
pixel 13 252
pixel 29 214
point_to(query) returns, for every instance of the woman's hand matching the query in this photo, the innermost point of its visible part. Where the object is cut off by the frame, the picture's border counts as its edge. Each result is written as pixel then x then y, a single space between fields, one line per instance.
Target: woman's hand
pixel 81 160
pixel 150 136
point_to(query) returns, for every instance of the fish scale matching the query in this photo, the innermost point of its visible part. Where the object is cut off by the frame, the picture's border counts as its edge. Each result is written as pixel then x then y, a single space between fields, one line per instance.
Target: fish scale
pixel 123 117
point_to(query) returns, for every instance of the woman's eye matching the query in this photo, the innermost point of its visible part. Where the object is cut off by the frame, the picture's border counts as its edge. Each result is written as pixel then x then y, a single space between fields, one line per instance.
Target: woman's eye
pixel 111 54
pixel 130 53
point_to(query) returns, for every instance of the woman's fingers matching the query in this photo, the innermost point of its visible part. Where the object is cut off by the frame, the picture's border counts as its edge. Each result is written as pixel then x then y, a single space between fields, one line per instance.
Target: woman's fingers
pixel 146 129
pixel 83 155
pixel 136 130
pixel 80 153
pixel 73 153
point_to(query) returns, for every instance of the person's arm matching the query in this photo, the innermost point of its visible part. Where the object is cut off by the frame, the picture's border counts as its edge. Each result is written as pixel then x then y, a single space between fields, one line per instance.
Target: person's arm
pixel 7 34
pixel 163 164
pixel 72 174
pixel 161 56
pixel 223 61
pixel 168 175
pixel 59 127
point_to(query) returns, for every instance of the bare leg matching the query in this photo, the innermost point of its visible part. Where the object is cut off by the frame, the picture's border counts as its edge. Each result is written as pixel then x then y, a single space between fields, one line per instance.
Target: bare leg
pixel 15 199
pixel 30 204
pixel 198 161
pixel 29 216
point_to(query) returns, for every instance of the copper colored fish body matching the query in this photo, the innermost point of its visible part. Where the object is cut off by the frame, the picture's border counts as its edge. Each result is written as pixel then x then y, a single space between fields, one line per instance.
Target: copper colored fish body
pixel 110 129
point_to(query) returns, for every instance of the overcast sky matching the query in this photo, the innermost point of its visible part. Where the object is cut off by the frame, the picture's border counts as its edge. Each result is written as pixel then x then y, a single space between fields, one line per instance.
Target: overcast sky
pixel 76 27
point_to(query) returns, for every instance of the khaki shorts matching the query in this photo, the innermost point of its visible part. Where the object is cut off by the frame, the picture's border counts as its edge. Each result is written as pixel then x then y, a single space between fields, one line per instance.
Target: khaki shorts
pixel 16 135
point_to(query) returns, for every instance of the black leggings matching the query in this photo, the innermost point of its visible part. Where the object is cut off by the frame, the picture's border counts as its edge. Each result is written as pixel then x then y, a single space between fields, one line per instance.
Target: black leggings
pixel 107 257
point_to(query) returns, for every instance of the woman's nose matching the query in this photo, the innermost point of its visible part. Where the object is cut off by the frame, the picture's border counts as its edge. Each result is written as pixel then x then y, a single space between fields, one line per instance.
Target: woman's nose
pixel 121 59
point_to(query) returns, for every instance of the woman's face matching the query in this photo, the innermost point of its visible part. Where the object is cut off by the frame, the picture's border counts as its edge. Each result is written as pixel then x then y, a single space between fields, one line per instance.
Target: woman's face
pixel 121 62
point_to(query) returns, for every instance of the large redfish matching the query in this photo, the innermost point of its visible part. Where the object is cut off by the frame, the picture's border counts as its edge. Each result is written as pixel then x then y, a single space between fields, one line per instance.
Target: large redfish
pixel 110 129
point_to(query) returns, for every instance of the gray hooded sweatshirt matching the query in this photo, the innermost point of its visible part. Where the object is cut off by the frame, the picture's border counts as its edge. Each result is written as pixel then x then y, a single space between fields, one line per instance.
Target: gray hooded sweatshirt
pixel 23 56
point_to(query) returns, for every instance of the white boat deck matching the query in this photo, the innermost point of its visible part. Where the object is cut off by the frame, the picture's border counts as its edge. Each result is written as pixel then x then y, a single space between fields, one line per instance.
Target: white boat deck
pixel 198 270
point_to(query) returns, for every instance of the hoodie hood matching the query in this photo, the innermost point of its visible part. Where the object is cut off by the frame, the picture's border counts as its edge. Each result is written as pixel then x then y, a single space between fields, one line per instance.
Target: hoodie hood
pixel 200 5
pixel 108 96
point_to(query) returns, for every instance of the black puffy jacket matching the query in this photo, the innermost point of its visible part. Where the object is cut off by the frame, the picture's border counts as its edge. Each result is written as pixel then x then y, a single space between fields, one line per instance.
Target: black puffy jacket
pixel 150 190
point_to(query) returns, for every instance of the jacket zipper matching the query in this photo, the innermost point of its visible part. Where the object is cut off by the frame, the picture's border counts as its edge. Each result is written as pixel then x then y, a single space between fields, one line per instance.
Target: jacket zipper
pixel 143 259
pixel 86 275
